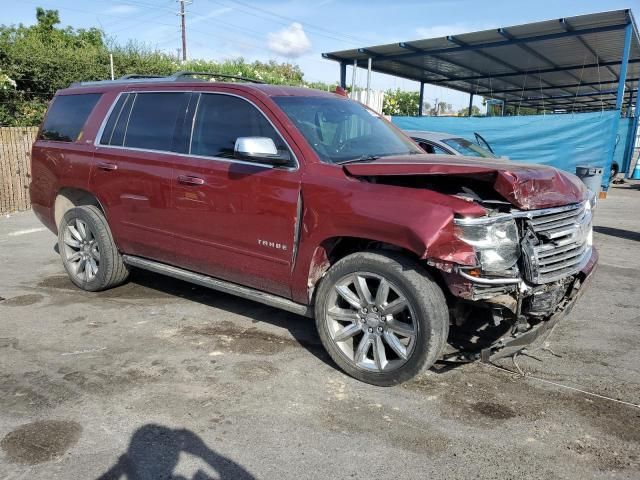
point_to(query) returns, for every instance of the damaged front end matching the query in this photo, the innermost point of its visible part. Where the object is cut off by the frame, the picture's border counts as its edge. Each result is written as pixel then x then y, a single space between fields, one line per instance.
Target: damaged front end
pixel 531 266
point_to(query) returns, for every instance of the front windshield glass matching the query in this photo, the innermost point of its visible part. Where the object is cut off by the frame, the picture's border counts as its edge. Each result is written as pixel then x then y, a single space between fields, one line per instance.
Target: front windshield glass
pixel 470 149
pixel 341 130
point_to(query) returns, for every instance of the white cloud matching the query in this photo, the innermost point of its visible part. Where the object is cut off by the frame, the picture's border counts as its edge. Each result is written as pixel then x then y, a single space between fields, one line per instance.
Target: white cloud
pixel 121 9
pixel 290 42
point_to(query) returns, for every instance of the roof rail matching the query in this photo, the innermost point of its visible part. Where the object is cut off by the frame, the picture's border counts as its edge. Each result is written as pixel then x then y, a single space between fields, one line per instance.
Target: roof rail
pixel 179 75
pixel 176 77
pixel 138 75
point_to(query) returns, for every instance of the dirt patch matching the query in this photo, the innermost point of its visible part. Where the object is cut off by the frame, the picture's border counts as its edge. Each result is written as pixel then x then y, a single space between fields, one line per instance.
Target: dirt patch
pixel 74 319
pixel 23 300
pixel 481 398
pixel 31 392
pixel 232 338
pixel 254 371
pixel 8 342
pixel 128 291
pixel 105 383
pixel 40 441
pixel 363 417
pixel 495 411
pixel 59 282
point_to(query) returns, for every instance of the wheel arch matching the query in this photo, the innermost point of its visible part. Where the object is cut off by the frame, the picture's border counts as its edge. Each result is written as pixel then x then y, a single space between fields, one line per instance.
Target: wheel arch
pixel 332 249
pixel 70 197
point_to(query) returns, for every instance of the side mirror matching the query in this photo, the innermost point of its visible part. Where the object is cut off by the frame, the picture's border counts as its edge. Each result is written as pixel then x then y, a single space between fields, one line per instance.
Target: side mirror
pixel 260 150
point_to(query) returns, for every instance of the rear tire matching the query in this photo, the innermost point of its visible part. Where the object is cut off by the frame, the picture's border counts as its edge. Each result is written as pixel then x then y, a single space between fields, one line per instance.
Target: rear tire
pixel 88 252
pixel 381 317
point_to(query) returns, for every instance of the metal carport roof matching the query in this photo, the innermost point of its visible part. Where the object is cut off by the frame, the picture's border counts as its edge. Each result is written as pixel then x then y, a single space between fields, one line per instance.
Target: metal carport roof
pixel 568 63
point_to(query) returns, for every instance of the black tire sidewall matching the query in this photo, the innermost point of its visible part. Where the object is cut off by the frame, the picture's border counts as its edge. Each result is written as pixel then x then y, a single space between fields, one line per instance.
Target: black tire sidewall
pixel 425 297
pixel 105 245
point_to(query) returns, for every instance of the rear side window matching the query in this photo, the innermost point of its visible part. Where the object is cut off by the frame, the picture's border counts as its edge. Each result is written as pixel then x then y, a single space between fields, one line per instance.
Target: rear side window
pixel 145 120
pixel 221 119
pixel 67 115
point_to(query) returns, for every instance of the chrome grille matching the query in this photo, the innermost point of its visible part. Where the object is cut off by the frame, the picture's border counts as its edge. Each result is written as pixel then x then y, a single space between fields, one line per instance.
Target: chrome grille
pixel 557 242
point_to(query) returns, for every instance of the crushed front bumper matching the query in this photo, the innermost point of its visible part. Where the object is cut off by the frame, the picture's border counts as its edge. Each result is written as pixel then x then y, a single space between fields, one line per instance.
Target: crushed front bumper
pixel 513 343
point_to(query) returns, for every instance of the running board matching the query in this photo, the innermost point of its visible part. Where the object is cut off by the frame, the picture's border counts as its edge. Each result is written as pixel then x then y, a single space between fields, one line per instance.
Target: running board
pixel 220 285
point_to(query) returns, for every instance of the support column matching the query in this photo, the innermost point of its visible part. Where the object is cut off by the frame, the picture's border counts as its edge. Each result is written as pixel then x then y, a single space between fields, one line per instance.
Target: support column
pixel 343 75
pixel 368 81
pixel 504 107
pixel 628 31
pixel 420 105
pixel 634 132
pixel 470 110
pixel 353 79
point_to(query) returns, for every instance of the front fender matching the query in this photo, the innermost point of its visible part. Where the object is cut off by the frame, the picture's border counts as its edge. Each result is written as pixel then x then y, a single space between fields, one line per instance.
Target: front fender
pixel 415 220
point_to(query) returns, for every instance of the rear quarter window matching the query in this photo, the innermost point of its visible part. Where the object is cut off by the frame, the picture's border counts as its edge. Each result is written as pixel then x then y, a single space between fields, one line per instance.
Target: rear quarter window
pixel 67 115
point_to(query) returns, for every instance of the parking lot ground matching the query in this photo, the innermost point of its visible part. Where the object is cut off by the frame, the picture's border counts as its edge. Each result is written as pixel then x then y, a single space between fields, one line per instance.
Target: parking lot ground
pixel 159 378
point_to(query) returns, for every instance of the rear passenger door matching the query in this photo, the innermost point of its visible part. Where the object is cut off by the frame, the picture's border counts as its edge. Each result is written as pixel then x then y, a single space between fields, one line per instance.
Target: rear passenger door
pixel 134 160
pixel 234 219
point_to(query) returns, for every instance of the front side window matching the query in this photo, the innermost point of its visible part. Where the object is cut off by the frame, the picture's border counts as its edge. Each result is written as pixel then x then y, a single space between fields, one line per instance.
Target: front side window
pixel 67 115
pixel 341 130
pixel 470 149
pixel 145 120
pixel 221 119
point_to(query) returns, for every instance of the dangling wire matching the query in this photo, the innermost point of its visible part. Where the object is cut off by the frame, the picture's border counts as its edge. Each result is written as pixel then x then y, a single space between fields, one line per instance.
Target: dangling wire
pixel 584 59
pixel 526 73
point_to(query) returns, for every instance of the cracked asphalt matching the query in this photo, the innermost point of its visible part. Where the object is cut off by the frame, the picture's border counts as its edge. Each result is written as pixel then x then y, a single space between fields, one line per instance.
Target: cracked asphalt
pixel 160 379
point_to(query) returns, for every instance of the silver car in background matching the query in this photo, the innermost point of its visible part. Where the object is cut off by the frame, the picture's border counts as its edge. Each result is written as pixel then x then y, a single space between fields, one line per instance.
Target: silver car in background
pixel 449 144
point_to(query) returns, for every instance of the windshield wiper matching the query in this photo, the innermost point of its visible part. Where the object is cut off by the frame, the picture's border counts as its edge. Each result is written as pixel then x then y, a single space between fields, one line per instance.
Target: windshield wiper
pixel 363 158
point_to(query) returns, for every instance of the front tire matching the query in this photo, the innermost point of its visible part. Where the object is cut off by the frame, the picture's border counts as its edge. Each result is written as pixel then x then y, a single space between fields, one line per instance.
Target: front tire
pixel 88 252
pixel 381 317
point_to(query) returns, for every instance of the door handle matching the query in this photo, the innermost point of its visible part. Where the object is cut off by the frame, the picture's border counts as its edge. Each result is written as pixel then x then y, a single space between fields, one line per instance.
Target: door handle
pixel 107 166
pixel 189 180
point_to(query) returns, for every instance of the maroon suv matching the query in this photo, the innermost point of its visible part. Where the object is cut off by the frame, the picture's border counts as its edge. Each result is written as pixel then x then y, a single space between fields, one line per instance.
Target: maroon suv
pixel 310 202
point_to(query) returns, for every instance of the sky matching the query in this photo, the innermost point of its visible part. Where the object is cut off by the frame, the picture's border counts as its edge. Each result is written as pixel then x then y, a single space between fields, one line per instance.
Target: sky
pixel 300 31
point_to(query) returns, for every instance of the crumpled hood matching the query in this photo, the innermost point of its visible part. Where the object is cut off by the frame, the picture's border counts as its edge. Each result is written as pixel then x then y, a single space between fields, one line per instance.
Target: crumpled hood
pixel 525 186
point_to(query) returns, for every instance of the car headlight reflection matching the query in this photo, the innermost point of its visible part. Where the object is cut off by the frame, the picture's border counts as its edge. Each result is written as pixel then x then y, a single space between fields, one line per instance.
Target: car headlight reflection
pixel 495 241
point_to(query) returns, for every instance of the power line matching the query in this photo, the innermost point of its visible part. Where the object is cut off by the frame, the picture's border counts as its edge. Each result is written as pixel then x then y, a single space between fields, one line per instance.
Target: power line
pixel 341 36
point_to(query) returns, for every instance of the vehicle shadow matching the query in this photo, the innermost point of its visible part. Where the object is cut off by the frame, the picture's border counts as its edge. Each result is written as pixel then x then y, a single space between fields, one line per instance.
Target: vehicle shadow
pixel 301 328
pixel 154 452
pixel 618 232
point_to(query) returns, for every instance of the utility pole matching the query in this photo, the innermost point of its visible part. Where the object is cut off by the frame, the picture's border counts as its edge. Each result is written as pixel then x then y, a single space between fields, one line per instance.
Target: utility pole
pixel 183 26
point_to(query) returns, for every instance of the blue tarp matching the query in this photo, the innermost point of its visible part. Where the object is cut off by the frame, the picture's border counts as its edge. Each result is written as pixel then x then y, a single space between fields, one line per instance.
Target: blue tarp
pixel 561 140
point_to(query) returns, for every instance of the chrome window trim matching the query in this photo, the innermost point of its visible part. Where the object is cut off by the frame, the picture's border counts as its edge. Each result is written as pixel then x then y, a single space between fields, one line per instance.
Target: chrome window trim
pixel 126 127
pixel 96 141
pixel 97 144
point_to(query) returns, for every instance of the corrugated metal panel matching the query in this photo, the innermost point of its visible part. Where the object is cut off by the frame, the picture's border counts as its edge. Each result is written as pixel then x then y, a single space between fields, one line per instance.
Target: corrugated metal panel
pixel 501 64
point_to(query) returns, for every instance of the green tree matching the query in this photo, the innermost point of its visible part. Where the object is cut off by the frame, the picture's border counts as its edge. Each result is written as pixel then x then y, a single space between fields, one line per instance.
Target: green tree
pixel 40 59
pixel 400 102
pixel 475 111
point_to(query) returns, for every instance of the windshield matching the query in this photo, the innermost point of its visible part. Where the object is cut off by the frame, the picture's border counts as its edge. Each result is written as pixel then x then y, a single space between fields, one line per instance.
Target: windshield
pixel 465 147
pixel 340 130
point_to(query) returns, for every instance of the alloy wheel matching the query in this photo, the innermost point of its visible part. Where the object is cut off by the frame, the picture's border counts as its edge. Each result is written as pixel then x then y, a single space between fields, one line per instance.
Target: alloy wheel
pixel 81 250
pixel 371 322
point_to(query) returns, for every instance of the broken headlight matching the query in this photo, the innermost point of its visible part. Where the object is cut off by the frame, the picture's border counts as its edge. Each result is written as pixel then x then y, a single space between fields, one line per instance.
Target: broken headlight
pixel 495 240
